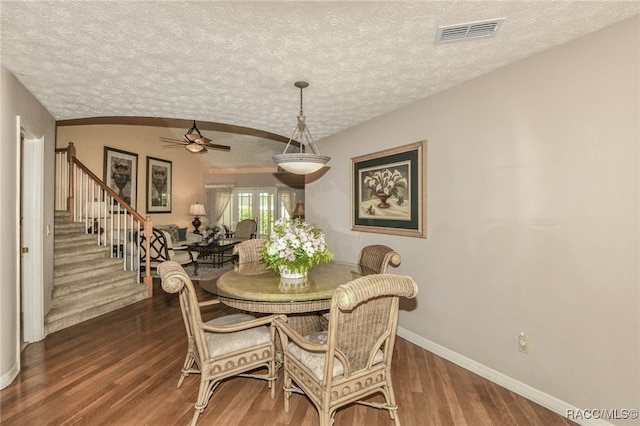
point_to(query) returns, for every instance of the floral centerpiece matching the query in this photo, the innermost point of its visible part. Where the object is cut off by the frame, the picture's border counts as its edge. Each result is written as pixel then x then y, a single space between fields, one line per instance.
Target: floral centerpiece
pixel 212 234
pixel 294 246
pixel 385 183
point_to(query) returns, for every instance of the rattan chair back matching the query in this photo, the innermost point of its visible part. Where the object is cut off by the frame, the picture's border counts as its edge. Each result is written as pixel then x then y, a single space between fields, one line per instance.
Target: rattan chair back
pixel 224 347
pixel 375 259
pixel 355 361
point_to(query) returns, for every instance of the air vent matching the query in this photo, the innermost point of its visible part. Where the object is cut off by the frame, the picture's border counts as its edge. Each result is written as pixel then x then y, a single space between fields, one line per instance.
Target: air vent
pixel 471 30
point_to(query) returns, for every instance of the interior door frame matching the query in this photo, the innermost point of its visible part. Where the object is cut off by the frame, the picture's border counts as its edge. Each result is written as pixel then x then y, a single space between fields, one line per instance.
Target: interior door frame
pixel 30 233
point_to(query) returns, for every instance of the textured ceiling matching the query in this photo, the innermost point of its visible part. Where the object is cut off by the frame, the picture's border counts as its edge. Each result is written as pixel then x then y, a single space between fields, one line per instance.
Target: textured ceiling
pixel 236 62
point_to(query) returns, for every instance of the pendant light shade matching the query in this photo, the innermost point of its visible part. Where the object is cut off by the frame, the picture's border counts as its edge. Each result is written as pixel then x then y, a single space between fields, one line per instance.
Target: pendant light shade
pixel 302 162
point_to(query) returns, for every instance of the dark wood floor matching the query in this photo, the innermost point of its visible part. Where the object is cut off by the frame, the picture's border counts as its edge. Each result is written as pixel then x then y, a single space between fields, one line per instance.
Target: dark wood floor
pixel 122 369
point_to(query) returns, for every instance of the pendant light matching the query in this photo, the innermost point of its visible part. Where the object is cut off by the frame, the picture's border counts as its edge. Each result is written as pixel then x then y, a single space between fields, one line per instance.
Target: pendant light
pixel 302 162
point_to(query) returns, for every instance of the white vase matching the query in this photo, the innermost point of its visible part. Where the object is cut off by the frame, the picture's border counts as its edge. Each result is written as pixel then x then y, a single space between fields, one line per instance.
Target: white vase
pixel 286 273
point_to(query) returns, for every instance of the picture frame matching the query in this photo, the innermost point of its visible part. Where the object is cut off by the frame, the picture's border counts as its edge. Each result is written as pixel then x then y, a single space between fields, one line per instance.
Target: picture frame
pixel 121 174
pixel 159 184
pixel 388 191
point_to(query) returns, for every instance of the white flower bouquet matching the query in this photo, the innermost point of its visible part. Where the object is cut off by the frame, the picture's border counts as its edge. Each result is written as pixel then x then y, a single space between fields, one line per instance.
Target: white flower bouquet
pixel 212 234
pixel 295 245
pixel 385 182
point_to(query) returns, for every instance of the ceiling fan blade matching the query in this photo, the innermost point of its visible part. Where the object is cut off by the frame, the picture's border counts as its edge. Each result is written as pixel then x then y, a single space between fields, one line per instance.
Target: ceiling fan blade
pixel 162 139
pixel 218 147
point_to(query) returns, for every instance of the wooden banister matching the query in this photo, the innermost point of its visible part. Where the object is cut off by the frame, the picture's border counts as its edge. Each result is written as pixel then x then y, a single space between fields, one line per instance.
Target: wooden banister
pixel 116 202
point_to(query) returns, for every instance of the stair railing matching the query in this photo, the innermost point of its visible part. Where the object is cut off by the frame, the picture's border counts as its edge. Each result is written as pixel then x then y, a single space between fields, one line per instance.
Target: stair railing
pixel 104 213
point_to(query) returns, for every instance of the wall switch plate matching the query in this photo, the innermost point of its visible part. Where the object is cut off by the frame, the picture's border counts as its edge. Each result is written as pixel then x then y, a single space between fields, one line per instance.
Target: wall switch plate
pixel 524 345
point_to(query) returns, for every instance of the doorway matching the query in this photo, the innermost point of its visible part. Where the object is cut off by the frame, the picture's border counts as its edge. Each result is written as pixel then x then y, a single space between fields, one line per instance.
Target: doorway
pixel 31 183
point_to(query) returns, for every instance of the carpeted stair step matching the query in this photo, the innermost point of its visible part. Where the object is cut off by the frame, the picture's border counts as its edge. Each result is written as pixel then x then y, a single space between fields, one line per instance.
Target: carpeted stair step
pixel 64 316
pixel 78 238
pixel 67 228
pixel 96 294
pixel 89 254
pixel 75 271
pixel 78 287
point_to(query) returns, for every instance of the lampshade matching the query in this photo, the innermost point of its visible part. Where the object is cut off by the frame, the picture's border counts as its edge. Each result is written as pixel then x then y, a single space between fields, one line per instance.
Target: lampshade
pixel 197 210
pixel 298 211
pixel 302 162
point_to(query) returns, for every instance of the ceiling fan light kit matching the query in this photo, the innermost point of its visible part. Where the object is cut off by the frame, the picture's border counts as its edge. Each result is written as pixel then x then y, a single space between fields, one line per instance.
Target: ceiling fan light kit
pixel 302 162
pixel 194 147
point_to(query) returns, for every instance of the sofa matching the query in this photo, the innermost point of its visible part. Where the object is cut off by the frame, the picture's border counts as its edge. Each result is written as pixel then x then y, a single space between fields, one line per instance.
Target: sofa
pixel 180 237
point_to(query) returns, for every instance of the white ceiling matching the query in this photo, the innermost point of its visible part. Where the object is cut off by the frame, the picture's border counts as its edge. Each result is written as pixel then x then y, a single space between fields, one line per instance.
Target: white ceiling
pixel 235 62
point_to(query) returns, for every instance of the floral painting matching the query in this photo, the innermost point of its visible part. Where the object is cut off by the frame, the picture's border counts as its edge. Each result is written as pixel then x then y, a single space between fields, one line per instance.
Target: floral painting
pixel 388 191
pixel 385 192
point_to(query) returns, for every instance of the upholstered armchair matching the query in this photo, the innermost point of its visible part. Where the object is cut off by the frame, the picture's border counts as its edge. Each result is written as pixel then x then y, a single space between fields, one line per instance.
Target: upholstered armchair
pixel 245 230
pixel 161 249
pixel 375 259
pixel 232 345
pixel 352 359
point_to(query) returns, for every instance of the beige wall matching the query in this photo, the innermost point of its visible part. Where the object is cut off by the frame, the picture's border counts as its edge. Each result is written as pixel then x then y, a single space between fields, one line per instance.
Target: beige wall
pixel 15 101
pixel 187 169
pixel 532 218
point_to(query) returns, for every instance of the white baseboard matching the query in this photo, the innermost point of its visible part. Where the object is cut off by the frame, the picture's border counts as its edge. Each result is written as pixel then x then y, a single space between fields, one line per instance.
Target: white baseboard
pixel 552 403
pixel 7 378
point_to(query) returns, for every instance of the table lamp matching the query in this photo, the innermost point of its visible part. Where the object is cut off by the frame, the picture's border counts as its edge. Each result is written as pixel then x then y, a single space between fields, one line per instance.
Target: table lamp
pixel 197 210
pixel 298 212
pixel 96 210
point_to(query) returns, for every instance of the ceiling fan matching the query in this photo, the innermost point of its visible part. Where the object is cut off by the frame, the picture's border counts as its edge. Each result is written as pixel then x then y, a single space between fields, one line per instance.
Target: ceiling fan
pixel 194 142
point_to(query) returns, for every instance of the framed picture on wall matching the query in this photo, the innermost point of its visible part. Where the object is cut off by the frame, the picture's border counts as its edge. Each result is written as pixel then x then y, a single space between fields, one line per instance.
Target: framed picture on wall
pixel 121 174
pixel 158 185
pixel 388 191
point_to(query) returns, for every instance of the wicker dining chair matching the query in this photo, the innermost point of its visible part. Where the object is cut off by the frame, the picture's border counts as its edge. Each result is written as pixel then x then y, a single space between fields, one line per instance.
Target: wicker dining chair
pixel 376 258
pixel 232 345
pixel 373 259
pixel 352 359
pixel 246 259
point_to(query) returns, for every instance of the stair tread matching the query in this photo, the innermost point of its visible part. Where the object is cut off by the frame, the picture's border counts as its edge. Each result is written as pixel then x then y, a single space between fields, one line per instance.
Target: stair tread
pixel 52 325
pixel 94 297
pixel 98 264
pixel 68 287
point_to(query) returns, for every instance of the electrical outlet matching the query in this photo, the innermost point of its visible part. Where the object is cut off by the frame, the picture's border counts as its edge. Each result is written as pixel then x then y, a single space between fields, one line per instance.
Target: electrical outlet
pixel 524 345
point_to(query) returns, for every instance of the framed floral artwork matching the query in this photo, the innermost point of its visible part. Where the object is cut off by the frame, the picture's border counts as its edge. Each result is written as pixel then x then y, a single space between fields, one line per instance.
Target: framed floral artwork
pixel 388 191
pixel 121 174
pixel 158 185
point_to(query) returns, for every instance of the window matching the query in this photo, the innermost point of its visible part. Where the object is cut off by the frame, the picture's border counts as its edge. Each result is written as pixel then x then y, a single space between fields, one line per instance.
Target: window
pixel 261 204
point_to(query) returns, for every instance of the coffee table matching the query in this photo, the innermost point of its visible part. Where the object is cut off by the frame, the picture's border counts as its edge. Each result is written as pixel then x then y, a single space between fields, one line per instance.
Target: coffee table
pixel 214 250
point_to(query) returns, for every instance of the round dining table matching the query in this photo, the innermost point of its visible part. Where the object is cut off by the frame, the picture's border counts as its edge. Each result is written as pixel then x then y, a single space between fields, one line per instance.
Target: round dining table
pixel 251 287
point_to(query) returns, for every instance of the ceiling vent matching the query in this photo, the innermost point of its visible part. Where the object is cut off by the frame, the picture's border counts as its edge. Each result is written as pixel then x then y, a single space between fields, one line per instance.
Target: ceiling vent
pixel 471 30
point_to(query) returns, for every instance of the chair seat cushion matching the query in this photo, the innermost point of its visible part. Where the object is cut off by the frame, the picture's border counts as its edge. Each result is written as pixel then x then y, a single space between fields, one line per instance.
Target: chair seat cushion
pixel 182 256
pixel 225 343
pixel 314 361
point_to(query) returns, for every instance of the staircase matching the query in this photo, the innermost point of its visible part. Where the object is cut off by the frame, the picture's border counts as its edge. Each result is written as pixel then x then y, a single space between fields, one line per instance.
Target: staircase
pixel 87 282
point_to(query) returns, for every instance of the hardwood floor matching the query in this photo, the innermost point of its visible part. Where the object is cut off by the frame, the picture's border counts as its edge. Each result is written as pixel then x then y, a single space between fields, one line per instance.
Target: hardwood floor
pixel 122 369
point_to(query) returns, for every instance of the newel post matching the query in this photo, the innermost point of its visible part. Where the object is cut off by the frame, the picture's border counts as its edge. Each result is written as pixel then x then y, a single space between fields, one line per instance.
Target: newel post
pixel 148 232
pixel 71 158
